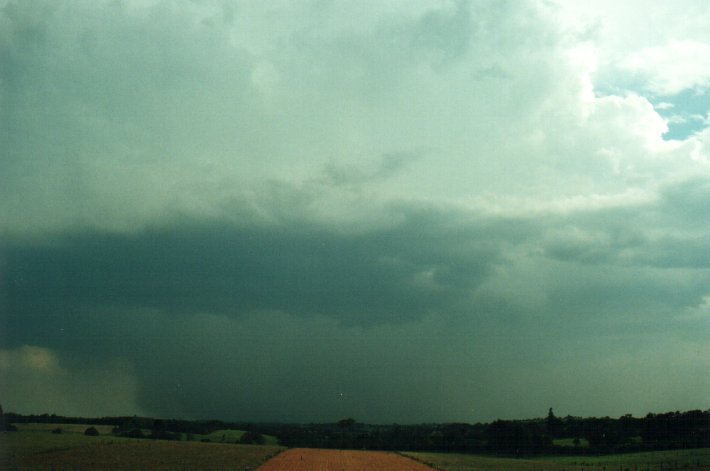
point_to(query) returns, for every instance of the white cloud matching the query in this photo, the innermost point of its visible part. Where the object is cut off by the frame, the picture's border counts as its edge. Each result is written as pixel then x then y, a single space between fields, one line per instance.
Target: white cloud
pixel 672 68
pixel 156 110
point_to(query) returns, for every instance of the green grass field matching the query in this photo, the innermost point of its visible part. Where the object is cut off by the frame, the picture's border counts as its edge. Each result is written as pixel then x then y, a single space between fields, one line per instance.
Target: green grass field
pixel 653 461
pixel 35 447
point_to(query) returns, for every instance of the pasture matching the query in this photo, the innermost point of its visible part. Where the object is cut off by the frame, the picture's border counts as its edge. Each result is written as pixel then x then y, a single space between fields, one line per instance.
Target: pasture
pixel 34 446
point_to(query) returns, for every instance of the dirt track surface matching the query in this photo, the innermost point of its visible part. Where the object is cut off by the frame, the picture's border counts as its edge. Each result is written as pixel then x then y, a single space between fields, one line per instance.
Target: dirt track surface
pixel 305 459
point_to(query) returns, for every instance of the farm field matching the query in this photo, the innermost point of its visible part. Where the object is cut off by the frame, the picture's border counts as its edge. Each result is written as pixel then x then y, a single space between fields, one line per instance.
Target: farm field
pixel 36 448
pixel 652 461
pixel 307 459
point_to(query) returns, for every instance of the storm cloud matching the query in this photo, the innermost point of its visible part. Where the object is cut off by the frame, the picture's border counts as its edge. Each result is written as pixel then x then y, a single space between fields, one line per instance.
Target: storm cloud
pixel 389 275
pixel 452 211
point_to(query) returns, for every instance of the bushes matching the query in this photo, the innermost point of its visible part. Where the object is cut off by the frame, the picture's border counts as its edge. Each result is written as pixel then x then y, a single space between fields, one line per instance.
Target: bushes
pixel 91 432
pixel 135 433
pixel 517 438
pixel 252 438
pixel 5 426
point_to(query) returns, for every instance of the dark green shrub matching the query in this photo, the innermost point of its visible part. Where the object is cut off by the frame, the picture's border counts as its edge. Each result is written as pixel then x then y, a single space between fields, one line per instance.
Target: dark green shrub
pixel 251 438
pixel 135 433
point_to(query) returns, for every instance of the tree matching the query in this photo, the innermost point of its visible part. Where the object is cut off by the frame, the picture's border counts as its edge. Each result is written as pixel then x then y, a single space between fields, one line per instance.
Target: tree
pixel 603 434
pixel 252 438
pixel 158 428
pixel 553 424
pixel 135 433
pixel 5 426
pixel 346 423
pixel 91 432
pixel 516 438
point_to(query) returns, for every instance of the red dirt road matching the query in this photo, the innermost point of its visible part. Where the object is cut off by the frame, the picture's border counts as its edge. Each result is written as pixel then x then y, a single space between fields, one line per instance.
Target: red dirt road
pixel 306 459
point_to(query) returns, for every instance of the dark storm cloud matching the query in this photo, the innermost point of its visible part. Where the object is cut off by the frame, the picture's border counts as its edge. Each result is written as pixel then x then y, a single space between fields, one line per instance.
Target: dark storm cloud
pixel 241 315
pixel 389 275
pixel 273 322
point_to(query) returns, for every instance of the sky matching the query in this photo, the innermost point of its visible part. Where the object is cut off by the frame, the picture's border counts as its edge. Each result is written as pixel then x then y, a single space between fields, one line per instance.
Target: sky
pixel 410 212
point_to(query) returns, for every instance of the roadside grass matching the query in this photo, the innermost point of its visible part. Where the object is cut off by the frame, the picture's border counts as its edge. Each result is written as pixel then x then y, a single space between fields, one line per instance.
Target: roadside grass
pixel 651 461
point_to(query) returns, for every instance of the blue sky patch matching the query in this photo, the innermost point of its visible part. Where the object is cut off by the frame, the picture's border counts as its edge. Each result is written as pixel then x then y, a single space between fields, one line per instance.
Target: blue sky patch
pixel 686 113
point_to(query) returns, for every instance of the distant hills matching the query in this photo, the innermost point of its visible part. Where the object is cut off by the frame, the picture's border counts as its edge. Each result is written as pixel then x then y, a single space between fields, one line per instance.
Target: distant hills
pixel 547 435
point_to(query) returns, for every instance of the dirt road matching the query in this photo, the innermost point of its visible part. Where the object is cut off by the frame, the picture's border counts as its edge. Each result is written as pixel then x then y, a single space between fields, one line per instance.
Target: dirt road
pixel 306 459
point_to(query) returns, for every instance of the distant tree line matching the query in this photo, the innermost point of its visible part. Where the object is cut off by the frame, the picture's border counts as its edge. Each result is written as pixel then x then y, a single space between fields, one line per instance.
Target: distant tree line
pixel 203 427
pixel 145 427
pixel 5 424
pixel 604 435
pixel 593 435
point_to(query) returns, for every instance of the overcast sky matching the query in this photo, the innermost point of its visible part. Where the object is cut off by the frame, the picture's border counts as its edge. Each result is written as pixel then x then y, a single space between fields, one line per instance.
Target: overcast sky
pixel 394 211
